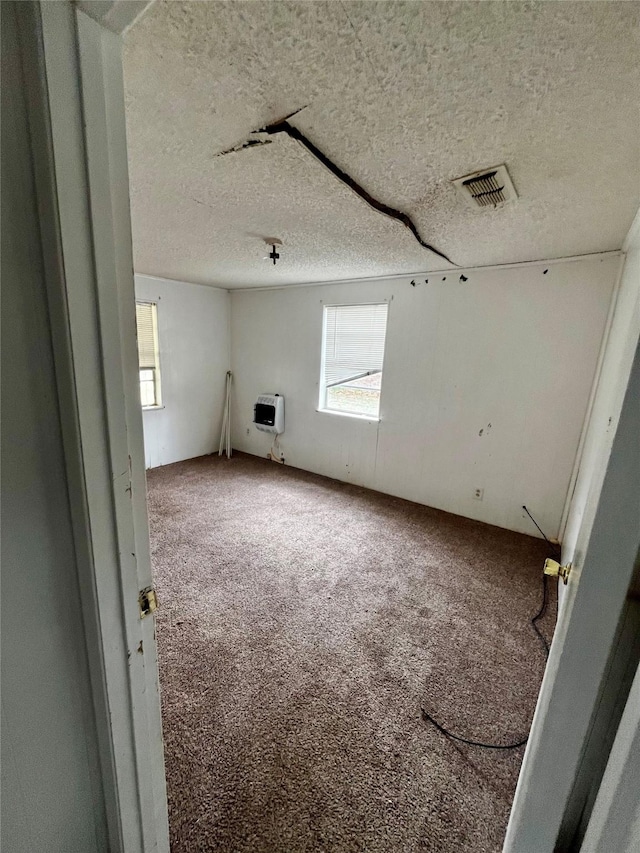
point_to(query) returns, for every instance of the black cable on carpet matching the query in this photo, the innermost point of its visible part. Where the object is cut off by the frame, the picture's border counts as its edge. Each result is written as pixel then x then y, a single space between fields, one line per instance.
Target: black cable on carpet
pixel 426 716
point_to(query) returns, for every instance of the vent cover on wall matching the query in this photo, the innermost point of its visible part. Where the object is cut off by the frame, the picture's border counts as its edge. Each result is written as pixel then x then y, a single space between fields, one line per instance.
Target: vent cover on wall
pixel 487 188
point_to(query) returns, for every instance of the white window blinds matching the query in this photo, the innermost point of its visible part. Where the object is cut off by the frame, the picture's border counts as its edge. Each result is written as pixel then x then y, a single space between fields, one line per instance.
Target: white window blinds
pixel 353 341
pixel 145 321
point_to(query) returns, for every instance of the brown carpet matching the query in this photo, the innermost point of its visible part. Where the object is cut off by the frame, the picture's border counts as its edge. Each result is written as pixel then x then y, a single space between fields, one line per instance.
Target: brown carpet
pixel 303 623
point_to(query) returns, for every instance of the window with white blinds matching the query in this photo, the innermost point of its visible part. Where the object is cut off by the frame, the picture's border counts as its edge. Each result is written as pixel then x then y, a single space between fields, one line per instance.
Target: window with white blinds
pixel 352 358
pixel 148 362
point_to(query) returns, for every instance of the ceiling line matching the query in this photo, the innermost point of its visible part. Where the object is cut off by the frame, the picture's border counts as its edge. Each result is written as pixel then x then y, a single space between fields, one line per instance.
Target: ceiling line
pixel 399 276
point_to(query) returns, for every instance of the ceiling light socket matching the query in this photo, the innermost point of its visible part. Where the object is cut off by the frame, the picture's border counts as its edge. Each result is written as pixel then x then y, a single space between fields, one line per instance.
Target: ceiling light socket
pixel 273 255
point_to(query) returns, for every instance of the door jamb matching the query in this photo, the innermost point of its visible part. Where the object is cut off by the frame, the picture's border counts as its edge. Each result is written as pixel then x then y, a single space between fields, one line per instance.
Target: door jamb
pixel 77 118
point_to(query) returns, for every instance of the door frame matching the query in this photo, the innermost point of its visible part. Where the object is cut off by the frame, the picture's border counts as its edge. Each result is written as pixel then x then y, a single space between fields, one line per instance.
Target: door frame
pixel 605 560
pixel 72 66
pixel 77 113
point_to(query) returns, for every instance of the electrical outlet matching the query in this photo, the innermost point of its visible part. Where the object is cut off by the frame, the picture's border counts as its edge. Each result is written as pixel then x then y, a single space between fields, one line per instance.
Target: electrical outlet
pixel 478 494
pixel 248 431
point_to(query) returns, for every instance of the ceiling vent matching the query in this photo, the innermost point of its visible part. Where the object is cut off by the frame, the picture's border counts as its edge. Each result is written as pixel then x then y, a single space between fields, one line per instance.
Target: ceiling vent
pixel 487 188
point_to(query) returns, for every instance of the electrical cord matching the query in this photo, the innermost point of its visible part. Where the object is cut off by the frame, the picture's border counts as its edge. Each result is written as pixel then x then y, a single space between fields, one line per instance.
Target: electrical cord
pixel 555 549
pixel 275 454
pixel 426 716
pixel 540 614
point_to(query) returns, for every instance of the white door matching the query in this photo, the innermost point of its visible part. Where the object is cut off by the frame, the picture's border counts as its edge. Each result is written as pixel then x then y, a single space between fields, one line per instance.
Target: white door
pixel 603 559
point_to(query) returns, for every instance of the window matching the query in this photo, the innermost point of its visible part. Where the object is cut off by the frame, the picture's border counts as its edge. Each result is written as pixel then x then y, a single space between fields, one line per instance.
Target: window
pixel 147 325
pixel 352 355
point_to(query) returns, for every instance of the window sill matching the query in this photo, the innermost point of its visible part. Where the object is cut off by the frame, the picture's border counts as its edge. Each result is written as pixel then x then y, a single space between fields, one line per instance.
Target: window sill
pixel 152 408
pixel 369 418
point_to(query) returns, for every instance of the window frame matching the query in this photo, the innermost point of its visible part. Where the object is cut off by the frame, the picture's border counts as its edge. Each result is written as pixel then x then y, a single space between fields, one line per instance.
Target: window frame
pixel 157 376
pixel 322 397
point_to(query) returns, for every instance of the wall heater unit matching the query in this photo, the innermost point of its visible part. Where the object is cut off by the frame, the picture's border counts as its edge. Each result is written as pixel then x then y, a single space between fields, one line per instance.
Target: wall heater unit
pixel 268 413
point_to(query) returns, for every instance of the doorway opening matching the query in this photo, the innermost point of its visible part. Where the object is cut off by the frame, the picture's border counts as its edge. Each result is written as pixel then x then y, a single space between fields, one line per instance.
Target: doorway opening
pixel 459 424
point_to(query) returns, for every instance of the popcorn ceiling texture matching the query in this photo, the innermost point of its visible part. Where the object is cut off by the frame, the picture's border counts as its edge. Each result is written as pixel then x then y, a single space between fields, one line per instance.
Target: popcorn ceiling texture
pixel 303 623
pixel 403 97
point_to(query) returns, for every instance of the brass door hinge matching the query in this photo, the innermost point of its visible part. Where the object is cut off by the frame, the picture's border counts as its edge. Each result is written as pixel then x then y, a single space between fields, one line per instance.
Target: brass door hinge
pixel 555 570
pixel 147 601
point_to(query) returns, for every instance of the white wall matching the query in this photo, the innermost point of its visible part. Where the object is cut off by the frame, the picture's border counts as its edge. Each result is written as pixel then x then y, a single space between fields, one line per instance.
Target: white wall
pixel 193 338
pixel 51 792
pixel 619 350
pixel 513 348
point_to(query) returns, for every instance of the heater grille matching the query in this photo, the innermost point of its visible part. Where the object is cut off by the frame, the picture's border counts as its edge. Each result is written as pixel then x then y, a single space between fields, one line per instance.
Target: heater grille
pixel 487 188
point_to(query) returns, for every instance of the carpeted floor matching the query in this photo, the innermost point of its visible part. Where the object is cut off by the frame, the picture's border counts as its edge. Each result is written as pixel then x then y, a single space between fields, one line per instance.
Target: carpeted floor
pixel 303 623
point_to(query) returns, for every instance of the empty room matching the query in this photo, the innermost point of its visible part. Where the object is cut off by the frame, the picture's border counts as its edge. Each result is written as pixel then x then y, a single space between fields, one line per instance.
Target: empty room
pixel 377 252
pixel 320 459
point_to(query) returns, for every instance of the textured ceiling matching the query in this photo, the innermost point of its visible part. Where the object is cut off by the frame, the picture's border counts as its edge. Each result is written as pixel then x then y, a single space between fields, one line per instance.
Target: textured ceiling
pixel 401 96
